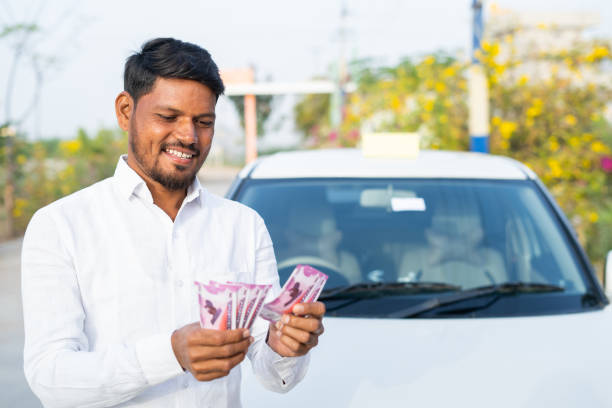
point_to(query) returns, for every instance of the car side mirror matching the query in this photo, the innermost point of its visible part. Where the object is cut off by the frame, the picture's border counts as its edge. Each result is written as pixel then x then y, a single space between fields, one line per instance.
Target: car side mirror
pixel 608 273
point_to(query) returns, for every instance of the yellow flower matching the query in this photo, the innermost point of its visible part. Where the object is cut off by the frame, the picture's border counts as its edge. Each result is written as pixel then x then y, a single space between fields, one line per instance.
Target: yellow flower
pixel 429 84
pixel 21 159
pixel 494 49
pixel 554 69
pixel 508 39
pixel 20 204
pixel 449 72
pixel 553 144
pixel 574 141
pixel 504 144
pixel 555 168
pixel 535 109
pixel 595 117
pixel 593 217
pixel 425 117
pixel 507 129
pixel 597 53
pixel 429 60
pixel 71 146
pixel 440 87
pixel 598 147
pixel 542 26
pixel 429 105
pixel 443 119
pixel 586 164
pixel 500 69
pixel 587 137
pixel 523 80
pixel 570 120
pixel 496 121
pixel 395 103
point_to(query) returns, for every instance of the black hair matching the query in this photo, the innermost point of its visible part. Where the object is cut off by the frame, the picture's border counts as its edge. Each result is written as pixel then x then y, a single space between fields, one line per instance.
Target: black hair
pixel 169 58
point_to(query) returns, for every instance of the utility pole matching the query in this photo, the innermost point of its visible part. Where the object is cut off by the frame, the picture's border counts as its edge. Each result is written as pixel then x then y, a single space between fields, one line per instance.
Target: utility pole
pixel 338 97
pixel 478 88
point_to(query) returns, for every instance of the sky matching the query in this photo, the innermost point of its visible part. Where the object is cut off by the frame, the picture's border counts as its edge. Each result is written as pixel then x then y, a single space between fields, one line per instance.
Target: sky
pixel 284 40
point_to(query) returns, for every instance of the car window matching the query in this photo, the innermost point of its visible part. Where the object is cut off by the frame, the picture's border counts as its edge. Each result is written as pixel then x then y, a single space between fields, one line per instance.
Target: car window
pixel 467 233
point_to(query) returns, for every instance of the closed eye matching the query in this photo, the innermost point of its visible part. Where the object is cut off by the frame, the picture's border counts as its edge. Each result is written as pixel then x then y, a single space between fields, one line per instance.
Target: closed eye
pixel 170 118
pixel 205 123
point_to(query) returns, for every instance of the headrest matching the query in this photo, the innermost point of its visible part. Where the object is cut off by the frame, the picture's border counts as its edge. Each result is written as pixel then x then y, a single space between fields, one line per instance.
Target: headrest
pixel 312 220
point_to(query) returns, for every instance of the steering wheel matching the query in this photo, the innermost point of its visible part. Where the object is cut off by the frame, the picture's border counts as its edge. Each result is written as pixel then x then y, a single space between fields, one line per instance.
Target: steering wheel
pixel 335 277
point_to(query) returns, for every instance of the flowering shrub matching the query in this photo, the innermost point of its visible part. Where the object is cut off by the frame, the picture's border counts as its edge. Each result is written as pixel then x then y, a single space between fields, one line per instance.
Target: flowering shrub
pixel 555 125
pixel 48 170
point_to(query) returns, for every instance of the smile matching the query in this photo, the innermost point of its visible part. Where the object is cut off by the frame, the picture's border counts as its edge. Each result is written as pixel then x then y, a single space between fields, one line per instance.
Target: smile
pixel 178 154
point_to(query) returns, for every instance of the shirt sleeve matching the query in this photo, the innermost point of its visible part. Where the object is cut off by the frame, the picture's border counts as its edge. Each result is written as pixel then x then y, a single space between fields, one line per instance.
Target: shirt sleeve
pixel 274 372
pixel 58 363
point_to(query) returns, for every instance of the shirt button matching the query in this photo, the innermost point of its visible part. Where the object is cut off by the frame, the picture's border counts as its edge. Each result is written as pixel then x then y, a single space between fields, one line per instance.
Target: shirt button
pixel 179 283
pixel 185 384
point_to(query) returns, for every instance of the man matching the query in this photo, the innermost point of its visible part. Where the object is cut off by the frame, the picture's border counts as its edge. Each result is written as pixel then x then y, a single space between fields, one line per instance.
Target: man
pixel 107 273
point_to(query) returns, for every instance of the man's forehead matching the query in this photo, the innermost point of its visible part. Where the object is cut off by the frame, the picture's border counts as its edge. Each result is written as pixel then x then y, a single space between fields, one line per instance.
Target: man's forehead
pixel 170 86
pixel 179 95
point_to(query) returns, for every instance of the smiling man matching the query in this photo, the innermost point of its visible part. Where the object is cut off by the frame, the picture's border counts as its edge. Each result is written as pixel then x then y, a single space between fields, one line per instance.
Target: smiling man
pixel 110 309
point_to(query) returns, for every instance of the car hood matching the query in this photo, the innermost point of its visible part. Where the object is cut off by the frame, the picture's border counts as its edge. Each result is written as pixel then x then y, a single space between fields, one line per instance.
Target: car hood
pixel 563 360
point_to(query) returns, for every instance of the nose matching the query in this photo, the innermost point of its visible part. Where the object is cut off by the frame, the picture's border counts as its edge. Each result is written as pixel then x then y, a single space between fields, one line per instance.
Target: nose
pixel 186 132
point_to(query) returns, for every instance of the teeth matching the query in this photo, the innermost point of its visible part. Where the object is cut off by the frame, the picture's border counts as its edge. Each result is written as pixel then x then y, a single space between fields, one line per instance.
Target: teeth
pixel 179 154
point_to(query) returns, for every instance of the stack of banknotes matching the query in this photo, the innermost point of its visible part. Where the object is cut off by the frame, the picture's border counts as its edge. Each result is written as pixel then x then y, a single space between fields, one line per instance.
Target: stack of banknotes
pixel 235 305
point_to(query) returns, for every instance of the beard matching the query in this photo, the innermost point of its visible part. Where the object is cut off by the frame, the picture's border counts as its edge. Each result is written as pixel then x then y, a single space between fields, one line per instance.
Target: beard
pixel 180 179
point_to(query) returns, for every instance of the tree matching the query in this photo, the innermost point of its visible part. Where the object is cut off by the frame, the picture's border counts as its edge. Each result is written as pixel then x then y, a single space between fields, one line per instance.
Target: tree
pixel 29 43
pixel 556 125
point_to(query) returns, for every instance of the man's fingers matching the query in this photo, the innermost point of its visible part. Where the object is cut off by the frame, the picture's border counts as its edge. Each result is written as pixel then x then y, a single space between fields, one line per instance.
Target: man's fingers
pixel 207 337
pixel 304 337
pixel 315 309
pixel 198 353
pixel 295 346
pixel 309 324
pixel 210 369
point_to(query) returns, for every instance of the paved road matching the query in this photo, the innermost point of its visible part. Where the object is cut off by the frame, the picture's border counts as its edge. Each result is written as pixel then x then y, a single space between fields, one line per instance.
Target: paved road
pixel 14 391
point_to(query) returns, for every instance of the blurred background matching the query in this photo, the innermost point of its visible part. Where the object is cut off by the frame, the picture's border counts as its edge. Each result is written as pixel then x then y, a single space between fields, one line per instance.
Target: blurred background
pixel 307 75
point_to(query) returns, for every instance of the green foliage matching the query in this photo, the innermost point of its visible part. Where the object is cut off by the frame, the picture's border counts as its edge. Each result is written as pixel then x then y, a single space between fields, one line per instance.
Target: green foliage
pixel 263 108
pixel 553 124
pixel 312 112
pixel 48 170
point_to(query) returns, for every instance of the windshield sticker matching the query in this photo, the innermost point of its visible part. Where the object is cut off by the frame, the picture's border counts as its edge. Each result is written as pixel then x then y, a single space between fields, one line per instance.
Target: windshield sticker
pixel 407 204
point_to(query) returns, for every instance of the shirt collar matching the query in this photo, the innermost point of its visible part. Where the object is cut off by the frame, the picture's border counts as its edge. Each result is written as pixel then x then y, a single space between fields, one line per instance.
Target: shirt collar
pixel 131 184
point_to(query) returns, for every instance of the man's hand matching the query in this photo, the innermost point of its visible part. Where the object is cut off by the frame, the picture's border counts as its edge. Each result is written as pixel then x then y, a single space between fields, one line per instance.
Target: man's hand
pixel 209 354
pixel 295 334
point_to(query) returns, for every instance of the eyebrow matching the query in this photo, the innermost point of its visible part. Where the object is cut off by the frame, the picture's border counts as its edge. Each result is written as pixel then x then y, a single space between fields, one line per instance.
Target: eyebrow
pixel 179 112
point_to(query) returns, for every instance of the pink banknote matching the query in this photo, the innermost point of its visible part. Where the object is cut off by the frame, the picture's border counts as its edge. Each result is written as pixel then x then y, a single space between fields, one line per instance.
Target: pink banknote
pixel 304 285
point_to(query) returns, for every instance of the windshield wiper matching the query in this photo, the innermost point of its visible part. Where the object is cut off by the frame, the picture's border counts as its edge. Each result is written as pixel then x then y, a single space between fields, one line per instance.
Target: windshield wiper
pixel 504 289
pixel 383 289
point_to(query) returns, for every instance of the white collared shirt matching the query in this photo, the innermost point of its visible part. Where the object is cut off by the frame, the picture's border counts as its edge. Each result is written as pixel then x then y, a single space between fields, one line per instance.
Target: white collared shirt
pixel 107 277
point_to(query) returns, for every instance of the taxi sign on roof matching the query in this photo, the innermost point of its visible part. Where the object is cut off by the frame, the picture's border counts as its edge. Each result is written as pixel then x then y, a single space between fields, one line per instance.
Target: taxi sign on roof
pixel 397 145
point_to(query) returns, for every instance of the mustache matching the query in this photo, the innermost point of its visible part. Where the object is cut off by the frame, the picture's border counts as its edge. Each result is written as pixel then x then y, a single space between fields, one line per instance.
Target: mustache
pixel 191 147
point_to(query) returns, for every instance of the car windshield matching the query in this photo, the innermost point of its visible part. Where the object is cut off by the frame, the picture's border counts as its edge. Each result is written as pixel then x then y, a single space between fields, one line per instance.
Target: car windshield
pixel 457 233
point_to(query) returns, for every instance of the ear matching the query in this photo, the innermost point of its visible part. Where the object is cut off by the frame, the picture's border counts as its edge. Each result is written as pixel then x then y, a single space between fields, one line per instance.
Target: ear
pixel 124 108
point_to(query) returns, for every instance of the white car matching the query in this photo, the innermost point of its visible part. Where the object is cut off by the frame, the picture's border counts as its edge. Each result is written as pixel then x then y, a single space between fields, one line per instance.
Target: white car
pixel 455 280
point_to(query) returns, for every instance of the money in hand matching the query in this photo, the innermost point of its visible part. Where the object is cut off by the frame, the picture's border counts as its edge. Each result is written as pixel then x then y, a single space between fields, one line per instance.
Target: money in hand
pixel 235 305
pixel 303 286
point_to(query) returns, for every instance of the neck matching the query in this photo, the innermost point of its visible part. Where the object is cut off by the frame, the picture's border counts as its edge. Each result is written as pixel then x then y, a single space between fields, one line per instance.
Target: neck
pixel 169 201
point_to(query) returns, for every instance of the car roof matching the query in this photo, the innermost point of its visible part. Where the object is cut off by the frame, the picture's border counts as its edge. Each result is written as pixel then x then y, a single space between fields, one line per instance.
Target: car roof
pixel 350 163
